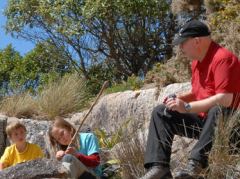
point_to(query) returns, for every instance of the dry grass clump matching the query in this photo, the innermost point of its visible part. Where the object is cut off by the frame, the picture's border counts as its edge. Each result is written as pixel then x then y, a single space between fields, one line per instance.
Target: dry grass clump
pixel 225 154
pixel 58 98
pixel 19 106
pixel 130 153
pixel 63 97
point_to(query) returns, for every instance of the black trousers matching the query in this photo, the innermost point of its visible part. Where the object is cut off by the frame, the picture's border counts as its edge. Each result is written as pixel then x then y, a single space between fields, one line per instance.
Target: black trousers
pixel 165 124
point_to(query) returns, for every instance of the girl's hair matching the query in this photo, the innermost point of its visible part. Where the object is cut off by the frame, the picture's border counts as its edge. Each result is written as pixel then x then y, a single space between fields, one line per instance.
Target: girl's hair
pixel 14 126
pixel 59 122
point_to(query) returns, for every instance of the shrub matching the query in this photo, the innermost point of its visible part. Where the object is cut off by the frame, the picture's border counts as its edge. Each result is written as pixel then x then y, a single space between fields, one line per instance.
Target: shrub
pixel 175 70
pixel 109 140
pixel 133 83
pixel 106 140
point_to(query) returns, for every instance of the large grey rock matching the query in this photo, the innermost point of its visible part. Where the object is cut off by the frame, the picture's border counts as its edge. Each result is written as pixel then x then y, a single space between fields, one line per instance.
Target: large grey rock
pixel 113 109
pixel 3 123
pixel 35 169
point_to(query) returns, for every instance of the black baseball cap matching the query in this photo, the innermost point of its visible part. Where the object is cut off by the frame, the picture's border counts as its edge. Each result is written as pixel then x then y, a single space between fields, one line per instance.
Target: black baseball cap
pixel 193 28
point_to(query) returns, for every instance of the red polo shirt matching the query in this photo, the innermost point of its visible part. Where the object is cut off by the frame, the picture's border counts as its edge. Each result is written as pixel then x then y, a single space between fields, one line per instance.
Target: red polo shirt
pixel 218 72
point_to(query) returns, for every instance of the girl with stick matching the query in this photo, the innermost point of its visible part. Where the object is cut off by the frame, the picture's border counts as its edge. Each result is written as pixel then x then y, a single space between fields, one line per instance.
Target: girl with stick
pixel 81 158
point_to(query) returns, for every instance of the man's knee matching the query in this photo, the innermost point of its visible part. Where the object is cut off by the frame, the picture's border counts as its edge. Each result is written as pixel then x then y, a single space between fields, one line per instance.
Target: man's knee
pixel 159 109
pixel 214 112
pixel 217 111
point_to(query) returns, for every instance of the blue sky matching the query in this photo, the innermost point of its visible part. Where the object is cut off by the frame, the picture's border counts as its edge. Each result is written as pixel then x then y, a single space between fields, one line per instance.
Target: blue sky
pixel 19 45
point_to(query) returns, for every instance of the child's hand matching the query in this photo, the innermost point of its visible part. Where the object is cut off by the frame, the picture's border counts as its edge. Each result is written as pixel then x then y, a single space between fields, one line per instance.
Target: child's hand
pixel 60 154
pixel 71 150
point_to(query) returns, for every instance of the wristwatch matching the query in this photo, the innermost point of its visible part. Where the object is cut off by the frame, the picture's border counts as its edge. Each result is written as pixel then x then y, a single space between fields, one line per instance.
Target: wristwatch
pixel 187 107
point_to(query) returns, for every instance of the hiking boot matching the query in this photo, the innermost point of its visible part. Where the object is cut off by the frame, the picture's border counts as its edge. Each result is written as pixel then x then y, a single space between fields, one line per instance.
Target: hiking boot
pixel 87 175
pixel 192 171
pixel 158 172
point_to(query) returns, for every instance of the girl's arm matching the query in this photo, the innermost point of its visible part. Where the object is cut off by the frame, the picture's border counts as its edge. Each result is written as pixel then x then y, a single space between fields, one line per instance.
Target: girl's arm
pixel 89 160
pixel 92 160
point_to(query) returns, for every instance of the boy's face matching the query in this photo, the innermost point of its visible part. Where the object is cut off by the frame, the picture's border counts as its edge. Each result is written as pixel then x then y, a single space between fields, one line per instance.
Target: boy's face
pixel 18 136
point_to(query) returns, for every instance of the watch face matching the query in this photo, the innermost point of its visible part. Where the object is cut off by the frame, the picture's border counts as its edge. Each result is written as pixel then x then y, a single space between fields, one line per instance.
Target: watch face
pixel 187 106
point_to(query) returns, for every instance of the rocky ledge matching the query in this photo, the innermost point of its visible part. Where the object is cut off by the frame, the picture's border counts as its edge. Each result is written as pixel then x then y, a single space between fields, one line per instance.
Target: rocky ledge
pixel 35 169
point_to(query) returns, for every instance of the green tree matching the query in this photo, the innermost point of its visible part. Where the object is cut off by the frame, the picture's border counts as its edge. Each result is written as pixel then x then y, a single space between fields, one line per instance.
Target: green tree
pixel 9 59
pixel 129 35
pixel 133 35
pixel 38 67
pixel 31 72
pixel 56 22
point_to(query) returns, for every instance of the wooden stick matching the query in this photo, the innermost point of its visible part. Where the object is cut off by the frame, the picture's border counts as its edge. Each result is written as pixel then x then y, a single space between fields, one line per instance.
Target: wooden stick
pixel 104 86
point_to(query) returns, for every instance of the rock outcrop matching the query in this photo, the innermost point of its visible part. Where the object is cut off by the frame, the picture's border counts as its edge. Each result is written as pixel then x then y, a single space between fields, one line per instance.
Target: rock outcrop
pixel 110 113
pixel 35 169
pixel 3 136
pixel 113 109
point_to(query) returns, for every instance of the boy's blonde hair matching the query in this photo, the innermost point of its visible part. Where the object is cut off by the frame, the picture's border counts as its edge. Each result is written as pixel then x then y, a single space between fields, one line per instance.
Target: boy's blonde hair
pixel 13 126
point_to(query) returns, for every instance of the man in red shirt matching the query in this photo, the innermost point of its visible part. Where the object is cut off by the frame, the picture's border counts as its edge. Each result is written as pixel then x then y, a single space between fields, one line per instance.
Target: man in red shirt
pixel 215 82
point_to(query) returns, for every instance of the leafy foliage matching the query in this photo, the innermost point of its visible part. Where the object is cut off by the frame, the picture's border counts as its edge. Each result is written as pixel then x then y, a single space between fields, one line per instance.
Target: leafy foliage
pixel 177 70
pixel 108 141
pixel 29 73
pixel 134 34
pixel 224 19
pixel 187 6
pixel 129 36
pixel 99 73
pixel 9 60
pixel 132 83
pixel 105 141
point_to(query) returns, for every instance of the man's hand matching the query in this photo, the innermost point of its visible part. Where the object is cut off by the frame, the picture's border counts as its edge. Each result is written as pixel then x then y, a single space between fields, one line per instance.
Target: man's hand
pixel 175 104
pixel 169 96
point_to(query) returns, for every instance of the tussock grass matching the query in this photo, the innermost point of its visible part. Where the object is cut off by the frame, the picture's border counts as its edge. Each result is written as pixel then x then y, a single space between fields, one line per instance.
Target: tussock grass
pixel 225 154
pixel 19 106
pixel 130 154
pixel 63 97
pixel 58 98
